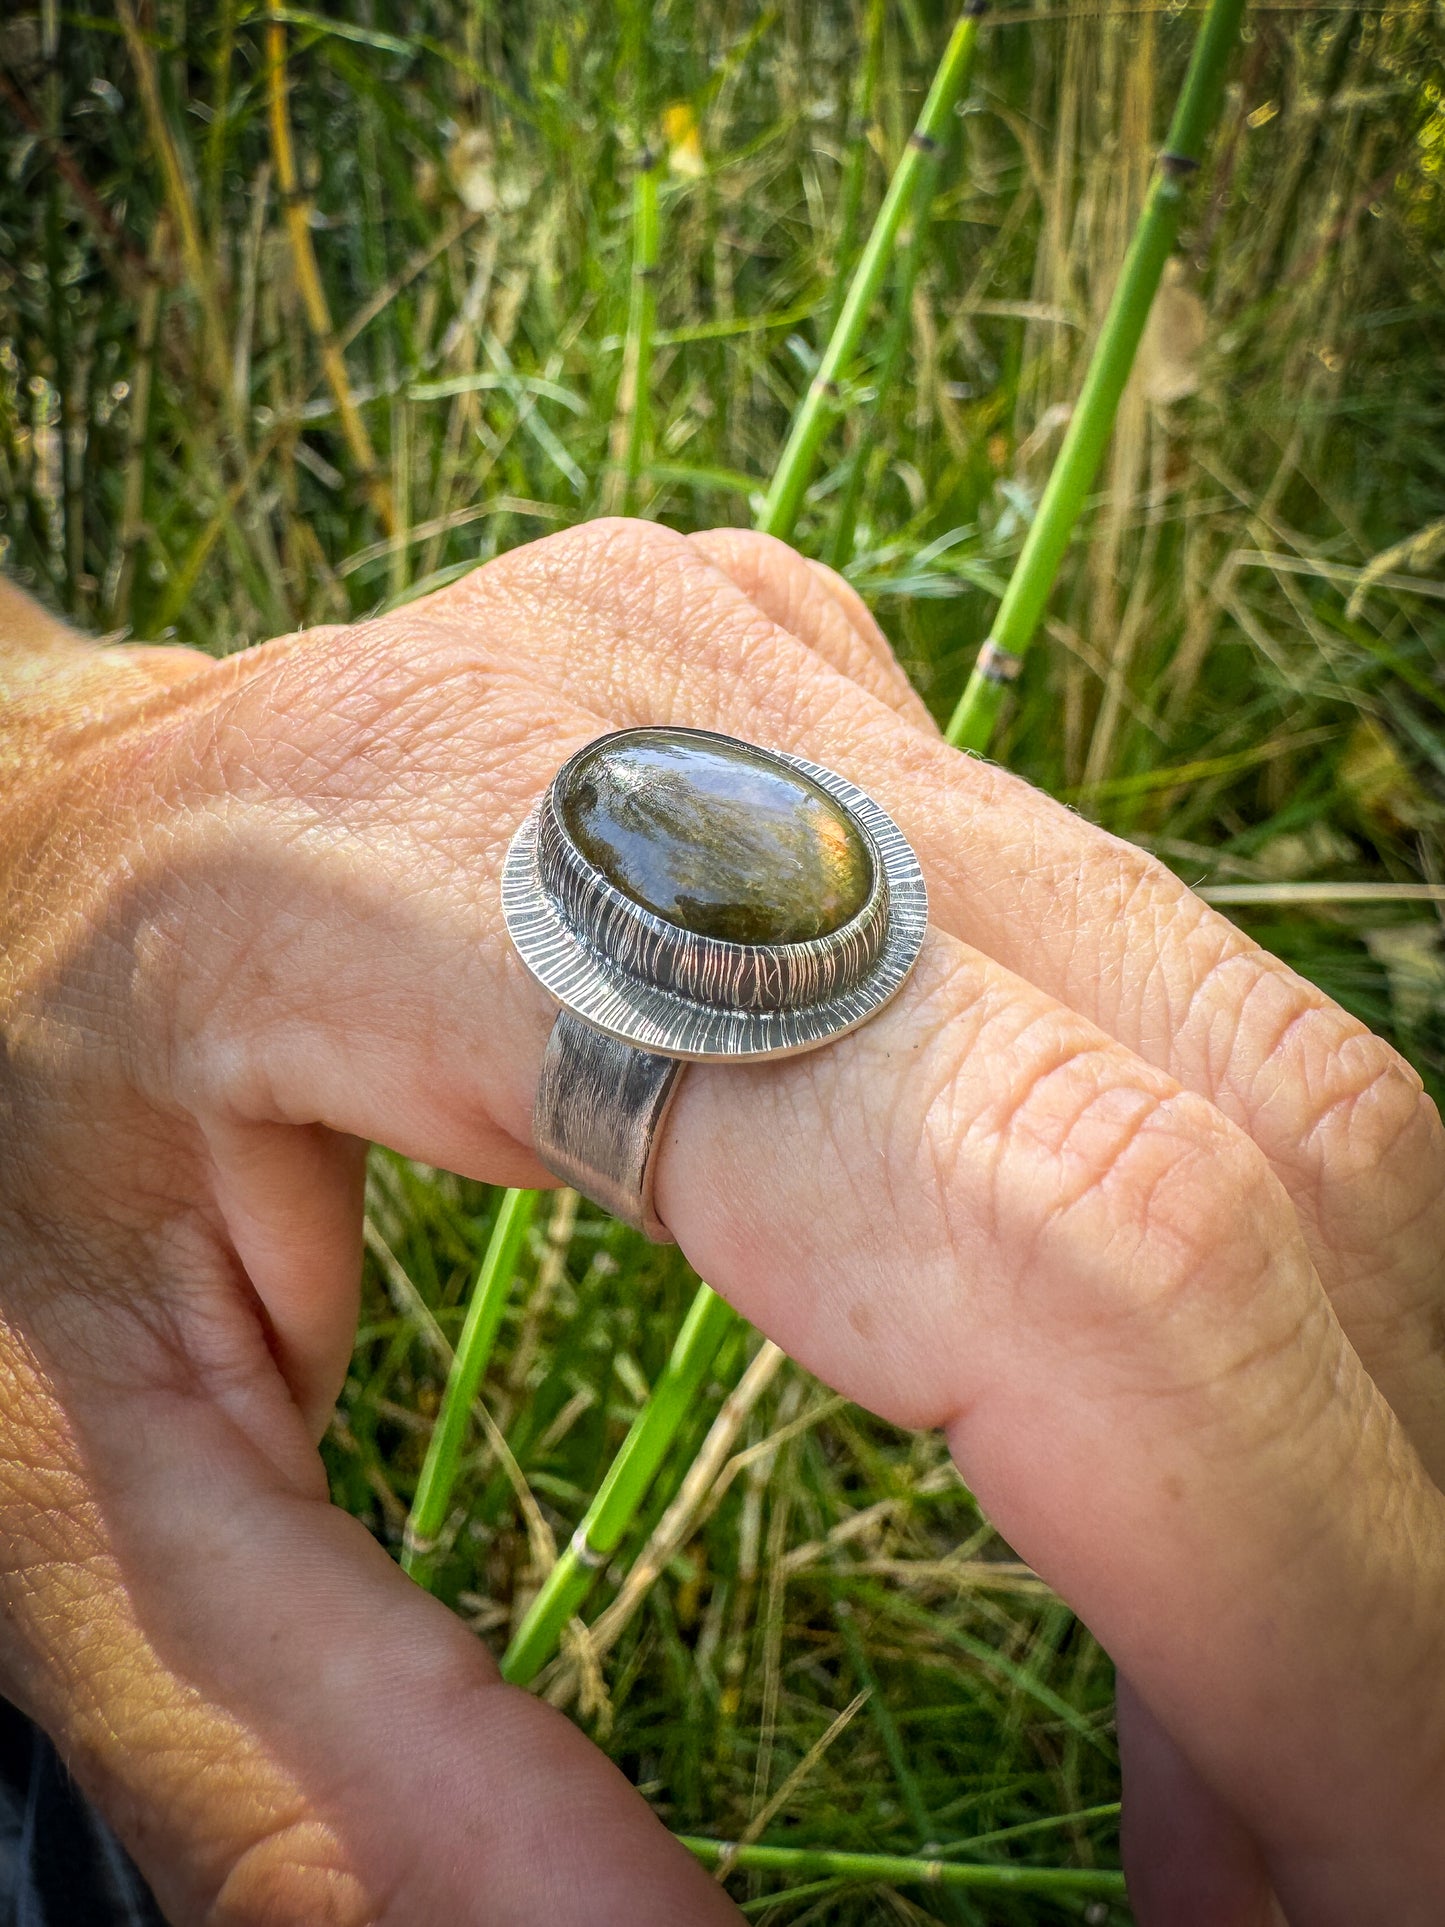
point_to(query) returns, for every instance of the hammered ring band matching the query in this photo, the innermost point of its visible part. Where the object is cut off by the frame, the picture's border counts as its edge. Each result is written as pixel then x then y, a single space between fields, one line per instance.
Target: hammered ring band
pixel 685 896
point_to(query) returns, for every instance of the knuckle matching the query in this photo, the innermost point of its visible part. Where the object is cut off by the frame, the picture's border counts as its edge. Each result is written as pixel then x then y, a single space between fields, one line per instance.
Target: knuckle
pixel 625 539
pixel 293 1876
pixel 856 613
pixel 1346 1119
pixel 838 585
pixel 1279 1053
pixel 1373 1170
pixel 750 546
pixel 615 559
pixel 643 596
pixel 818 608
pixel 1201 1198
pixel 1184 1253
pixel 600 555
pixel 1369 1103
pixel 1113 1196
pixel 1217 1281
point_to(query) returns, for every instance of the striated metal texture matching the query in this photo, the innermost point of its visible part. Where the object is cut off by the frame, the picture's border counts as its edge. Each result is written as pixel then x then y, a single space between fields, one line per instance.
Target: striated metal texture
pixel 599 1108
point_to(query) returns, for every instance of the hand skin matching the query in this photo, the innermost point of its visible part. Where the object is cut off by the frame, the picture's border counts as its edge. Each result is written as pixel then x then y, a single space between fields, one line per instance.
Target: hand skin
pixel 1147 1224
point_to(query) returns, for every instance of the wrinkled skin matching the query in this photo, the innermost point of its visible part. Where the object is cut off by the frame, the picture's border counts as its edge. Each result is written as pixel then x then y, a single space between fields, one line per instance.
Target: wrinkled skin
pixel 1146 1223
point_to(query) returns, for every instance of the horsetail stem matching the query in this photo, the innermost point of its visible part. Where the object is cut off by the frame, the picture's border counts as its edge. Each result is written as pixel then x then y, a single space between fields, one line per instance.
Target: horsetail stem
pixel 1001 657
pixel 820 403
pixel 896 1867
pixel 709 1319
pixel 708 1322
pixel 430 1506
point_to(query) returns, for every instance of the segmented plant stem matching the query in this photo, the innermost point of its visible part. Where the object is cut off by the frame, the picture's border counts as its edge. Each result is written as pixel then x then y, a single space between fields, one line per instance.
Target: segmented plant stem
pixel 904 1869
pixel 1092 422
pixel 433 1498
pixel 709 1320
pixel 819 405
pixel 631 1473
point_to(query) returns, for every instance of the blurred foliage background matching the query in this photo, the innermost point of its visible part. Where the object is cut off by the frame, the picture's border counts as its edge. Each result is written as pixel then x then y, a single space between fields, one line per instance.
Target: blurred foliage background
pixel 256 375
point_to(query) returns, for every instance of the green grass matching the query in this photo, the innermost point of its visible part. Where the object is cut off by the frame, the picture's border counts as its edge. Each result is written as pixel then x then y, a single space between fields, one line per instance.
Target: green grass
pixel 175 459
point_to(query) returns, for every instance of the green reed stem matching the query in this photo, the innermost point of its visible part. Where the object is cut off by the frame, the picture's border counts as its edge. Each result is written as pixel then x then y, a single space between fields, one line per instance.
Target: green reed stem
pixel 840 547
pixel 432 1503
pixel 903 1868
pixel 1092 422
pixel 641 324
pixel 859 115
pixel 820 404
pixel 708 1322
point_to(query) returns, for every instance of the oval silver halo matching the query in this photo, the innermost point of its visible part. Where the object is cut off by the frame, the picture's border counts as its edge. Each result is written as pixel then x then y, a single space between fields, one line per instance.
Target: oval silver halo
pixel 580 973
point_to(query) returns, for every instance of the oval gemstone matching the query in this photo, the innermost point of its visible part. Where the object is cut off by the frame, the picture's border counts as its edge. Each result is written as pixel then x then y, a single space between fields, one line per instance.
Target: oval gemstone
pixel 716 837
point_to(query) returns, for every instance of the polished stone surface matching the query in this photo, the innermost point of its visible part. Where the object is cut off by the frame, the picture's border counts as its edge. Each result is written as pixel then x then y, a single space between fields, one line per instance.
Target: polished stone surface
pixel 716 837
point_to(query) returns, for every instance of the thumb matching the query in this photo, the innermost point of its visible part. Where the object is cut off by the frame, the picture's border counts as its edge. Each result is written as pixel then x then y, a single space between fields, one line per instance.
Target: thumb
pixel 279 1723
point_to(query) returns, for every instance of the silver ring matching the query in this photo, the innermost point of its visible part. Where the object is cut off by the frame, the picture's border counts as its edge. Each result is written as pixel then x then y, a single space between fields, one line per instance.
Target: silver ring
pixel 685 896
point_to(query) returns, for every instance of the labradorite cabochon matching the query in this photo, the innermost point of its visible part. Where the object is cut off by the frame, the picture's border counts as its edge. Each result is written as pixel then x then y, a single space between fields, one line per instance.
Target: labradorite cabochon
pixel 716 836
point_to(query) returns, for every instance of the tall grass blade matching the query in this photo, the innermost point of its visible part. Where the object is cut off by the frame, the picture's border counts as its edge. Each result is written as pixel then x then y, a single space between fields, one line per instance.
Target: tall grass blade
pixel 180 197
pixel 860 115
pixel 641 325
pixel 840 547
pixel 297 210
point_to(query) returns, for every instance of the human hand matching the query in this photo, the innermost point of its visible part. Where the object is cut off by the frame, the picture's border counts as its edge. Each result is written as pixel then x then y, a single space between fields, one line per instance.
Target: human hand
pixel 1152 1228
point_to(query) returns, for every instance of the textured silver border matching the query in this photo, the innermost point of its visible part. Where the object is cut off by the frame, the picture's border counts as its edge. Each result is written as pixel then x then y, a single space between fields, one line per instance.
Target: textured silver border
pixel 591 986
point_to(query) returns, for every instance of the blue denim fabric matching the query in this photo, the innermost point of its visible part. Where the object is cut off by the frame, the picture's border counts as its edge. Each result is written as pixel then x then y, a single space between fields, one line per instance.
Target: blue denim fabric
pixel 60 1864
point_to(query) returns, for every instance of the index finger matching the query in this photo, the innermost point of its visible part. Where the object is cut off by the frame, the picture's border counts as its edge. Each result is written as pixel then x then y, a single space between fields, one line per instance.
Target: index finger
pixel 633 617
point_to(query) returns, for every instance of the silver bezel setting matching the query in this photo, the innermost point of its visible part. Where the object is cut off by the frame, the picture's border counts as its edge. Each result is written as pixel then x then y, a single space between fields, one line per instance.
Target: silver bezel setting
pixel 582 977
pixel 701 969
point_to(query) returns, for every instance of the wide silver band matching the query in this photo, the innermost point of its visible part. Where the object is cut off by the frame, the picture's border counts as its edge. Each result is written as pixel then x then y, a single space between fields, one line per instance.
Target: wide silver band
pixel 640 997
pixel 600 1106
